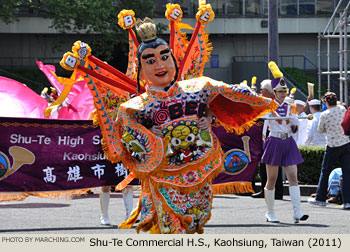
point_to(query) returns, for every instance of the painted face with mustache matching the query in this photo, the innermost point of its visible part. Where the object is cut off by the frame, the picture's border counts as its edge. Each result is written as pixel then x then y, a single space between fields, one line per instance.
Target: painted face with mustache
pixel 157 66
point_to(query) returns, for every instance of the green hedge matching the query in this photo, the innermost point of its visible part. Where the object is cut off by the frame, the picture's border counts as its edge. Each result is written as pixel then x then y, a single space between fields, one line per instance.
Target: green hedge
pixel 309 171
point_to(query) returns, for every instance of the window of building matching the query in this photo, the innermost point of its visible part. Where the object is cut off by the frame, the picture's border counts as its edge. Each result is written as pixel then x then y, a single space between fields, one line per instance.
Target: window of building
pixel 224 8
pixel 266 7
pixel 235 7
pixel 342 5
pixel 219 7
pixel 324 7
pixel 160 8
pixel 192 7
pixel 253 7
pixel 288 7
pixel 307 7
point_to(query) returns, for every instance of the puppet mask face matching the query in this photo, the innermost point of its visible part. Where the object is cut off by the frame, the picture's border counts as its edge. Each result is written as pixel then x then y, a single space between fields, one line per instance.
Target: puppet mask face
pixel 157 66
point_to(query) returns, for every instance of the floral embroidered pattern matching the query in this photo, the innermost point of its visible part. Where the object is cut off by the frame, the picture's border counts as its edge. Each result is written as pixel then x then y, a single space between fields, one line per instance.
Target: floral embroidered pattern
pixel 190 176
pixel 195 206
pixel 147 210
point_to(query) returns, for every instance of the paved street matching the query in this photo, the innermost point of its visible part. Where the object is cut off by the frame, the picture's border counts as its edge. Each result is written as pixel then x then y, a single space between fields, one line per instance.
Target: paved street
pixel 231 214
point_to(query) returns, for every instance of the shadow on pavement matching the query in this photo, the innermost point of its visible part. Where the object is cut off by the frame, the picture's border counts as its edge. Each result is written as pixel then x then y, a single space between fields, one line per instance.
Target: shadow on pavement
pixel 57 229
pixel 281 224
pixel 92 196
pixel 34 205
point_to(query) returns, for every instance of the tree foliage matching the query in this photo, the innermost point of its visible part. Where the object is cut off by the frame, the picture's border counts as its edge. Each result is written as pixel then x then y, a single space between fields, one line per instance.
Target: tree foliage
pixel 8 10
pixel 98 18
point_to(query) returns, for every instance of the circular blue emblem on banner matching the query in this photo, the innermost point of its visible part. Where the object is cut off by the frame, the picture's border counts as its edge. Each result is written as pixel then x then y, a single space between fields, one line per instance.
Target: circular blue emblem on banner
pixel 235 161
pixel 4 164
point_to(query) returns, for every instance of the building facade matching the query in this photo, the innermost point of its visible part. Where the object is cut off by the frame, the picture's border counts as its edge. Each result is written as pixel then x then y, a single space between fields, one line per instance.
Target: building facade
pixel 239 34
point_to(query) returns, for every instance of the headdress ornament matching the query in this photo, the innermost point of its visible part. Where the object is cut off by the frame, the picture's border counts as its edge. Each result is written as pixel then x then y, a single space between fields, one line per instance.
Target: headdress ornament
pixel 146 29
pixel 126 19
pixel 254 83
pixel 173 12
pixel 278 83
pixel 292 93
pixel 81 49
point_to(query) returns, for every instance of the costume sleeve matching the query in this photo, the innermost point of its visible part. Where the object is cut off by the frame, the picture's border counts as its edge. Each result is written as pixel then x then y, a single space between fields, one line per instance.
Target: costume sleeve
pixel 140 150
pixel 235 107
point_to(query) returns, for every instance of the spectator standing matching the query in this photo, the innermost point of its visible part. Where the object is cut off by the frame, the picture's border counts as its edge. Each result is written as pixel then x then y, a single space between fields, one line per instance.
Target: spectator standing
pixel 313 137
pixel 300 135
pixel 338 148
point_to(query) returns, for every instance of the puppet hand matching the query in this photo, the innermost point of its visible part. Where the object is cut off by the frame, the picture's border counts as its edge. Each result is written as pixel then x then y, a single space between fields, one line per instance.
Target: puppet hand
pixel 204 122
pixel 156 130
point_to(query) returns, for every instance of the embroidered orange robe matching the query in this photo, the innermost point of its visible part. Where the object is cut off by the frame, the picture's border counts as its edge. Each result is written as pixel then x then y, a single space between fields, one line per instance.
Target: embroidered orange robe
pixel 176 170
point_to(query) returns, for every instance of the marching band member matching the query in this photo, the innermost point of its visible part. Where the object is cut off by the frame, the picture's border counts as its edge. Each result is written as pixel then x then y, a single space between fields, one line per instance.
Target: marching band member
pixel 280 149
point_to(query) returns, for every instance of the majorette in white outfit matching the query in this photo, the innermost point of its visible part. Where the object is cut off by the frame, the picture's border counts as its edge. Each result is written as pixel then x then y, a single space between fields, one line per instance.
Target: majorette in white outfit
pixel 280 149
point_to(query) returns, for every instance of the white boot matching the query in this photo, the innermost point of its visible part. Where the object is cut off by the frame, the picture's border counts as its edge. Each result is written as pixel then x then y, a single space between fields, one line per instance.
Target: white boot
pixel 128 198
pixel 104 202
pixel 294 192
pixel 270 202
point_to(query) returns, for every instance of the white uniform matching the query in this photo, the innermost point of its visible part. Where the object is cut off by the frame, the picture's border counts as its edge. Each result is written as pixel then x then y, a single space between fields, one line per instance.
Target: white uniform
pixel 280 126
pixel 313 137
pixel 301 135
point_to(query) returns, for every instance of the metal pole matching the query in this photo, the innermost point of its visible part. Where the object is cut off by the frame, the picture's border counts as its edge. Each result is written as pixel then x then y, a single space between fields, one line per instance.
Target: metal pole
pixel 243 6
pixel 328 64
pixel 341 59
pixel 273 32
pixel 336 27
pixel 298 11
pixel 319 65
pixel 331 19
pixel 346 98
pixel 315 7
pixel 332 36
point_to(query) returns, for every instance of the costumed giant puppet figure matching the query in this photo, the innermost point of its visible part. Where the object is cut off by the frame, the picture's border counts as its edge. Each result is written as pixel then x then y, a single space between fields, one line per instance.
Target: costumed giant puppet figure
pixel 159 135
pixel 178 162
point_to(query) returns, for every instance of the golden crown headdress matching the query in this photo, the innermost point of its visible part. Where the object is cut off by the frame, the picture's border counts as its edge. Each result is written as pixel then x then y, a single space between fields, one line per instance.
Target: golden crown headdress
pixel 146 29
